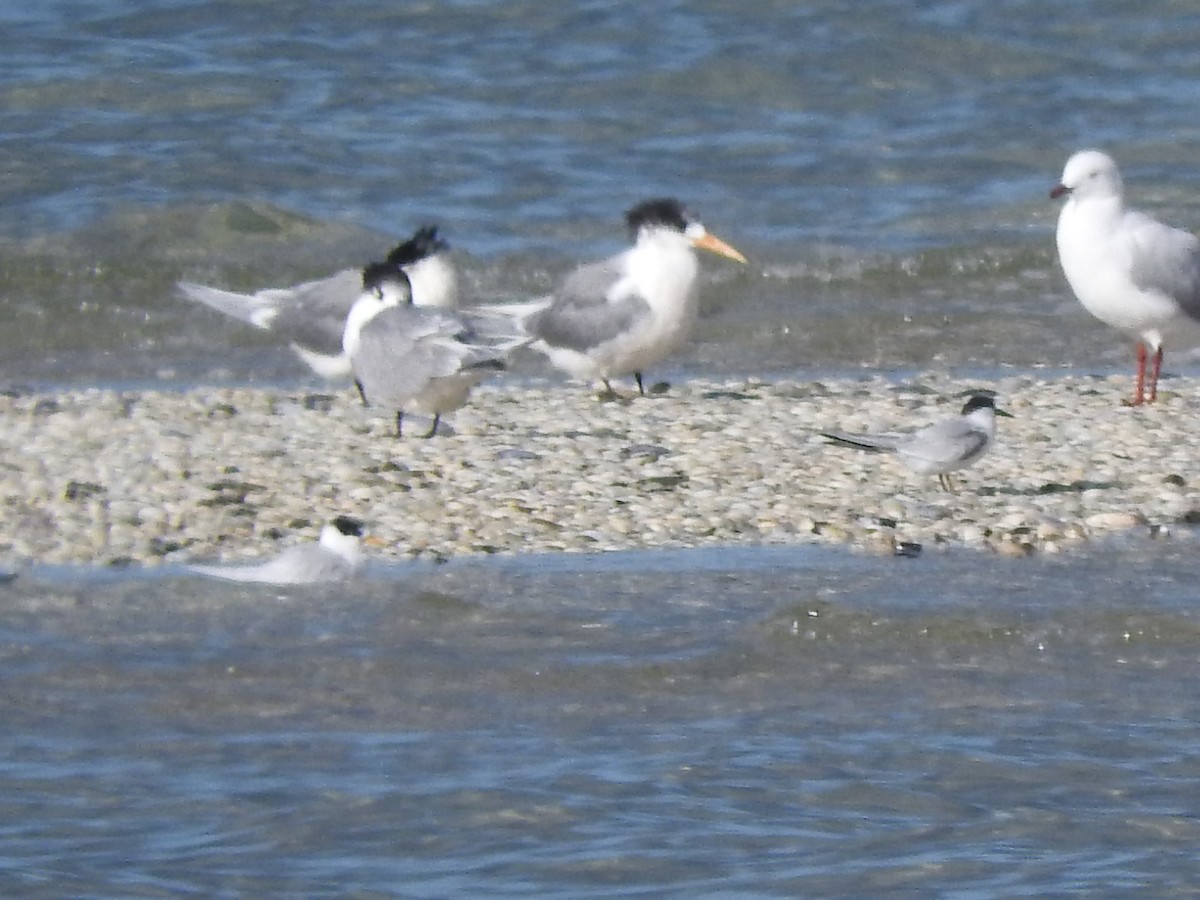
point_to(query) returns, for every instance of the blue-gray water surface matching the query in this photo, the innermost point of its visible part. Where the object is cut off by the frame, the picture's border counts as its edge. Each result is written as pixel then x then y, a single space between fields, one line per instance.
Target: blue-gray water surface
pixel 781 723
pixel 884 166
pixel 773 722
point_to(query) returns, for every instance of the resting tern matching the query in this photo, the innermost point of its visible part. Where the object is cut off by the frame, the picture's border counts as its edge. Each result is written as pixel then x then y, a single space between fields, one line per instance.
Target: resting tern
pixel 336 556
pixel 622 314
pixel 940 448
pixel 312 316
pixel 1128 270
pixel 411 358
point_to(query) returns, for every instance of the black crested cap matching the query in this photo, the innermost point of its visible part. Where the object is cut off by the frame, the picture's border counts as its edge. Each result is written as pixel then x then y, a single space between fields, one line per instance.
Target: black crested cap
pixel 348 526
pixel 377 274
pixel 981 400
pixel 423 244
pixel 662 211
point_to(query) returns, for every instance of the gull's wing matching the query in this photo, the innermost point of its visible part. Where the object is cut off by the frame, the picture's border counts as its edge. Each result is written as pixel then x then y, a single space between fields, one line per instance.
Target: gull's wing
pixel 1163 259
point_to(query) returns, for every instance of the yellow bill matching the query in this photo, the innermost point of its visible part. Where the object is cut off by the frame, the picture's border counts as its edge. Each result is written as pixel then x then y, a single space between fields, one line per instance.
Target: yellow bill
pixel 715 245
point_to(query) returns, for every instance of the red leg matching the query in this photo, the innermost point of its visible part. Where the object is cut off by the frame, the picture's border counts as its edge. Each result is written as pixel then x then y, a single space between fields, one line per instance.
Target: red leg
pixel 1154 373
pixel 1139 385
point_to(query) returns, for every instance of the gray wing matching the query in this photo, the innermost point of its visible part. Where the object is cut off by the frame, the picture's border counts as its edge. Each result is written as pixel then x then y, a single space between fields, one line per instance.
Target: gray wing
pixel 1164 259
pixel 404 347
pixel 304 564
pixel 587 309
pixel 950 443
pixel 313 314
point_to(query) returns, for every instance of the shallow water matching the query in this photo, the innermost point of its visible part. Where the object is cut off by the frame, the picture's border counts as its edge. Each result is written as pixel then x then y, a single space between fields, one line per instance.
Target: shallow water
pixel 886 171
pixel 757 722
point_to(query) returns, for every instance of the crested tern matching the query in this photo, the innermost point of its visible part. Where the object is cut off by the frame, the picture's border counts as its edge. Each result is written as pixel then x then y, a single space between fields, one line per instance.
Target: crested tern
pixel 312 316
pixel 623 314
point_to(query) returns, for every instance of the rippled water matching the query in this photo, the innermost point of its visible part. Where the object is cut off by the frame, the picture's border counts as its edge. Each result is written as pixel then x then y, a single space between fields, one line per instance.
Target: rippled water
pixel 758 723
pixel 768 724
pixel 885 167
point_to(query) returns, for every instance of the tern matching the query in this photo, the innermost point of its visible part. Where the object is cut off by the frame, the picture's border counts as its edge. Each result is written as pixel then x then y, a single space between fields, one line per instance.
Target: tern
pixel 1128 270
pixel 312 316
pixel 335 556
pixel 623 314
pixel 940 448
pixel 412 358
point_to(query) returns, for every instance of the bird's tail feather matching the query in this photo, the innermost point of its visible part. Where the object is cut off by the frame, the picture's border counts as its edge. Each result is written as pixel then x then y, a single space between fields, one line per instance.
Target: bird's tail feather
pixel 517 312
pixel 863 441
pixel 248 308
pixel 502 334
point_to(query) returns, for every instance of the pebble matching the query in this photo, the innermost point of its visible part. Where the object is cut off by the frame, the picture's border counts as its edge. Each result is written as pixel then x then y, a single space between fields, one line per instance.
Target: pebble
pixel 94 476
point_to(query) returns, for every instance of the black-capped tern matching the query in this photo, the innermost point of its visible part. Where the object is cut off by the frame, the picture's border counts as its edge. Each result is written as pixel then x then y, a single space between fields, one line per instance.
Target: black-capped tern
pixel 335 556
pixel 414 359
pixel 941 448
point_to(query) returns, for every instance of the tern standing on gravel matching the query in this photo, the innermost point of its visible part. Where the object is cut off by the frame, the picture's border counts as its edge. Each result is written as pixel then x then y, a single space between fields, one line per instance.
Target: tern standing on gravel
pixel 1128 270
pixel 623 314
pixel 412 359
pixel 940 448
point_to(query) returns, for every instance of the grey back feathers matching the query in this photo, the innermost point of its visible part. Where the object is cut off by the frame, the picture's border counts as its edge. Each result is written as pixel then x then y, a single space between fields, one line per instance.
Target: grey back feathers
pixel 577 320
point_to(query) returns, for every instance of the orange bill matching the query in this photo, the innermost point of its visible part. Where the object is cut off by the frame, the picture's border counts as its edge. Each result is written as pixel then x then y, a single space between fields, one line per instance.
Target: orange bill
pixel 716 245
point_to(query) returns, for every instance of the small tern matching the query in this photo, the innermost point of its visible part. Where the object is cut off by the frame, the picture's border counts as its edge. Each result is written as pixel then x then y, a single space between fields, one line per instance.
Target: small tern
pixel 410 358
pixel 336 556
pixel 625 313
pixel 940 448
pixel 312 316
pixel 1128 270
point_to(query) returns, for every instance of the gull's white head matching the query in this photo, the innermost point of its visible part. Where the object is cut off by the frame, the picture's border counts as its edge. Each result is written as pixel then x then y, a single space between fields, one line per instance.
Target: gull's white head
pixel 1088 174
pixel 668 214
pixel 343 536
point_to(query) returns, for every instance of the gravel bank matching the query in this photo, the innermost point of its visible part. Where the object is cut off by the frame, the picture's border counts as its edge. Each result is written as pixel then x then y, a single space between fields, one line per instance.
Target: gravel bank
pixel 105 477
